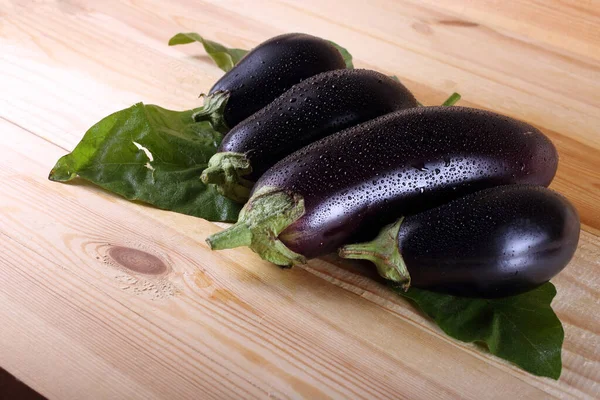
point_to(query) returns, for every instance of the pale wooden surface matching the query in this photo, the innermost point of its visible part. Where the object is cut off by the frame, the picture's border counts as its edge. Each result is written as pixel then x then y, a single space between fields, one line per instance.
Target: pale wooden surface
pixel 175 320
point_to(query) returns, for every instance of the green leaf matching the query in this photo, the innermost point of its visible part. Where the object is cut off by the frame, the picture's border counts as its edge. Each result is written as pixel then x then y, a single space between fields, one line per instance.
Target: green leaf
pixel 345 54
pixel 224 57
pixel 522 329
pixel 452 100
pixel 153 155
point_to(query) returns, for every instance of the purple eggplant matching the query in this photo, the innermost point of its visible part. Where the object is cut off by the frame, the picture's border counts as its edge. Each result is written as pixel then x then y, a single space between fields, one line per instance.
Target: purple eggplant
pixel 315 108
pixel 357 180
pixel 264 74
pixel 496 242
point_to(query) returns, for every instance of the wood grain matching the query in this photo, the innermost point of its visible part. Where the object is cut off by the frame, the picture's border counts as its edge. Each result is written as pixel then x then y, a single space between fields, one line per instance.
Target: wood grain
pixel 118 300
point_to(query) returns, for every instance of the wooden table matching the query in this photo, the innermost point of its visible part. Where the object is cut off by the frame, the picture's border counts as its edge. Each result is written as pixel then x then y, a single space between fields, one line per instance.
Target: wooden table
pixel 79 318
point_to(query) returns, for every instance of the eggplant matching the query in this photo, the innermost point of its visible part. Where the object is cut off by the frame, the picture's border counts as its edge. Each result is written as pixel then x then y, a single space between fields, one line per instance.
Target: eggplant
pixel 359 179
pixel 264 74
pixel 315 108
pixel 497 242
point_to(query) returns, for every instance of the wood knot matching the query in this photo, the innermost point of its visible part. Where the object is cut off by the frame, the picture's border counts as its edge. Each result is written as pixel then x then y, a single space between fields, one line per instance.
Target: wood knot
pixel 422 27
pixel 137 260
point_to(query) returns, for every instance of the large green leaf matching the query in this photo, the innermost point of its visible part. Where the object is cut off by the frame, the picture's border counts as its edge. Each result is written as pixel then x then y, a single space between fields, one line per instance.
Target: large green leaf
pixel 150 154
pixel 224 57
pixel 522 329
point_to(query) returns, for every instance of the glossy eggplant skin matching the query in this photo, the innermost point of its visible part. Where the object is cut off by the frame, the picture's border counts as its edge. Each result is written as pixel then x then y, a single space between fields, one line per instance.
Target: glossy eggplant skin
pixel 270 69
pixel 357 180
pixel 315 108
pixel 493 243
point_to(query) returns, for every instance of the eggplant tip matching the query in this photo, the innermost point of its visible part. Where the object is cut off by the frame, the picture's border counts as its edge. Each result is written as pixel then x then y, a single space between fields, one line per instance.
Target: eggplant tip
pixel 213 111
pixel 269 212
pixel 226 170
pixel 384 253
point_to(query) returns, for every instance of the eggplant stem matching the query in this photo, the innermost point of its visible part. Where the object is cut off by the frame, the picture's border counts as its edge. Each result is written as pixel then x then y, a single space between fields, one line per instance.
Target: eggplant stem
pixel 226 170
pixel 450 101
pixel 383 252
pixel 235 236
pixel 213 110
pixel 269 212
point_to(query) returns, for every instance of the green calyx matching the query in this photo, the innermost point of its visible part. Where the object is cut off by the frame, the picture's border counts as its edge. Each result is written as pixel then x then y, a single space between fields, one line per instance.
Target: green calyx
pixel 263 218
pixel 226 171
pixel 383 252
pixel 213 110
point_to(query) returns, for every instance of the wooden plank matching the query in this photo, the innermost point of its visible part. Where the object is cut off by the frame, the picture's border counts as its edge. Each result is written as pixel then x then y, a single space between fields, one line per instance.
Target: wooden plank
pixel 225 323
